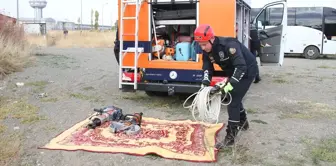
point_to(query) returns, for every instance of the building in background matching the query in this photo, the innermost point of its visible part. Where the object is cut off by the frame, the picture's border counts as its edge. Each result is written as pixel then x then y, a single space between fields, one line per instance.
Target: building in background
pixel 40 25
pixel 6 19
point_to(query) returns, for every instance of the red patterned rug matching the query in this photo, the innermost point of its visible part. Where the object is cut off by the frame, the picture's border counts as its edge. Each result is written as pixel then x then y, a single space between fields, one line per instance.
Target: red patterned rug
pixel 183 140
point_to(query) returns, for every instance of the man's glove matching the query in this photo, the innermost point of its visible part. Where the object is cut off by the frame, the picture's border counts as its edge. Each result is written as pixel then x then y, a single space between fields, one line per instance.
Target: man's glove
pixel 221 87
pixel 227 88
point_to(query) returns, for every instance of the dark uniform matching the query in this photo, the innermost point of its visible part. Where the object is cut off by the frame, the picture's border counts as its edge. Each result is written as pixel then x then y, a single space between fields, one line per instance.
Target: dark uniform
pixel 255 49
pixel 117 46
pixel 240 65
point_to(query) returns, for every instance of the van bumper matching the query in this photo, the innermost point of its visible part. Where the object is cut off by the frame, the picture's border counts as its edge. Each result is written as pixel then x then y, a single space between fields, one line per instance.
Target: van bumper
pixel 171 88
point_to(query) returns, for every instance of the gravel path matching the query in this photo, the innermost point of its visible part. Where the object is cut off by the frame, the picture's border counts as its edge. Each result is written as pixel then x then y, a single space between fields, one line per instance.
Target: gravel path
pixel 291 110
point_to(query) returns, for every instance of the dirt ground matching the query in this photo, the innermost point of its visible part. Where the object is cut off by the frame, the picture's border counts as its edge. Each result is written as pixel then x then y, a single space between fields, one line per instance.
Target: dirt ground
pixel 291 111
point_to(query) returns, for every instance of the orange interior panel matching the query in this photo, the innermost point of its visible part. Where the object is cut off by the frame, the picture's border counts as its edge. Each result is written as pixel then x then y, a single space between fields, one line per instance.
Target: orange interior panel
pixel 129 30
pixel 129 24
pixel 220 14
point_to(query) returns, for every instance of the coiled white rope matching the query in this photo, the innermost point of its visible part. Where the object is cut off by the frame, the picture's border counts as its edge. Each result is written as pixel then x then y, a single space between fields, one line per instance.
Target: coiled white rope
pixel 206 105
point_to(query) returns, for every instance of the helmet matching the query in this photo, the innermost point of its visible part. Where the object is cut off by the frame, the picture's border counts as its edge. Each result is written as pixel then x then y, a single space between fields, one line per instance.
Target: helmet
pixel 203 33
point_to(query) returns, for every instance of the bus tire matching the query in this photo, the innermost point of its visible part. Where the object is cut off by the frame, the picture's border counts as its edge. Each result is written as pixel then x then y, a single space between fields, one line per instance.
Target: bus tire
pixel 311 52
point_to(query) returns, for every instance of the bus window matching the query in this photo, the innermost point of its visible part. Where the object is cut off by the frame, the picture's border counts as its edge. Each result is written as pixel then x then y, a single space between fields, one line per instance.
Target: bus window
pixel 275 15
pixel 291 16
pixel 309 17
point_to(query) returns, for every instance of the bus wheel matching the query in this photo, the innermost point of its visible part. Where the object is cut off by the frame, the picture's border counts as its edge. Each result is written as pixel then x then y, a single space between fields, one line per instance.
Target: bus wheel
pixel 311 52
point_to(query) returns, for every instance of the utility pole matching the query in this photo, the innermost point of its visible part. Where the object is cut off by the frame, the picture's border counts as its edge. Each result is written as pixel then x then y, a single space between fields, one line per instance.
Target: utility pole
pixel 17 12
pixel 103 15
pixel 81 19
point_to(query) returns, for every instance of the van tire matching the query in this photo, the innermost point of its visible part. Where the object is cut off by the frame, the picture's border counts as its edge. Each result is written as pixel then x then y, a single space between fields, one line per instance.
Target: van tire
pixel 311 52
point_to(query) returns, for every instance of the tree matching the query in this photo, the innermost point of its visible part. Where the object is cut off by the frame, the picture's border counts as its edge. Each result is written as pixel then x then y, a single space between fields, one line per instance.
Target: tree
pixel 92 12
pixel 96 20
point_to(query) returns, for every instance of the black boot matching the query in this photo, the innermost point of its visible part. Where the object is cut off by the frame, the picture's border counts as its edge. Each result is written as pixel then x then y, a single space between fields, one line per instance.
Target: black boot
pixel 257 79
pixel 231 133
pixel 243 124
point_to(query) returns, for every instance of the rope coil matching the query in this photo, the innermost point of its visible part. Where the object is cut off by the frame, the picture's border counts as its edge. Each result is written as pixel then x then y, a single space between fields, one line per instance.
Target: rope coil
pixel 207 105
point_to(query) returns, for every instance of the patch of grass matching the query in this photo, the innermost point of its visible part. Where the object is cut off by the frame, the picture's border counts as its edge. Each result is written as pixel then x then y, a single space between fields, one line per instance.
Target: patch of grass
pixel 279 78
pixel 39 85
pixel 15 53
pixel 291 160
pixel 241 155
pixel 2 128
pixel 88 88
pixel 83 39
pixel 49 100
pixel 326 67
pixel 21 110
pixel 309 110
pixel 323 150
pixel 280 81
pixel 259 121
pixel 86 97
pixel 251 111
pixel 10 148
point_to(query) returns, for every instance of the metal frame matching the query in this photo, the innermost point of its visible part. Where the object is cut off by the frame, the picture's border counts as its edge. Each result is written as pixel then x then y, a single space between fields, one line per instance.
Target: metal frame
pixel 137 50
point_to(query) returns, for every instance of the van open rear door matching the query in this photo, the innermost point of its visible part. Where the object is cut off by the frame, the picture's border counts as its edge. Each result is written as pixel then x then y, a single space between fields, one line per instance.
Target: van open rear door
pixel 271 24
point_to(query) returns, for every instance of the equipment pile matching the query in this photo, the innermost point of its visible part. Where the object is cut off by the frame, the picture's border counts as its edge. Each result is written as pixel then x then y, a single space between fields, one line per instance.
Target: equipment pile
pixel 128 123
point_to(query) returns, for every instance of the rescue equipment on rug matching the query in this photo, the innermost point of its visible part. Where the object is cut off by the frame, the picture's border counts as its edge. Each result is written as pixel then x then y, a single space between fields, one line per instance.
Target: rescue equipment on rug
pixel 103 115
pixel 128 123
pixel 208 101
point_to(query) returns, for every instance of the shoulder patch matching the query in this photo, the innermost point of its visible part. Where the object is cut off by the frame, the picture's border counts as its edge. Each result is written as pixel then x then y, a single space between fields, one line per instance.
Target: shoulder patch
pixel 232 51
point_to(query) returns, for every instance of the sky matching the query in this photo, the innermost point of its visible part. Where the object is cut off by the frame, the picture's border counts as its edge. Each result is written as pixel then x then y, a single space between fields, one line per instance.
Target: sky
pixel 71 9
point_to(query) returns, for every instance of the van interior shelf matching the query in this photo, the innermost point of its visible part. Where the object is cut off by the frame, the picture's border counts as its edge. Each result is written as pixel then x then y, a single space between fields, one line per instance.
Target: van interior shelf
pixel 175 22
pixel 158 2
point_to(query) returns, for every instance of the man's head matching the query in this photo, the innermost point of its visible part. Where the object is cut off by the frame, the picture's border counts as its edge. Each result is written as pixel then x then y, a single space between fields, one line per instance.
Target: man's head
pixel 205 36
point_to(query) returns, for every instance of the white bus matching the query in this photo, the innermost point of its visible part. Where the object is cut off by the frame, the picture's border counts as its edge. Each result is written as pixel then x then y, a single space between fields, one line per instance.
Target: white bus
pixel 311 31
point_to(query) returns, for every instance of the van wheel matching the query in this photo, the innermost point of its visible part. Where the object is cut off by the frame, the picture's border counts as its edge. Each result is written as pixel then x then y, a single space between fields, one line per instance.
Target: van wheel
pixel 311 52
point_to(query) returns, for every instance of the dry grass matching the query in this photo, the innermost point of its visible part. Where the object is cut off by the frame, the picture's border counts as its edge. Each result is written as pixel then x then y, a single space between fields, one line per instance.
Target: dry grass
pixel 84 39
pixel 10 148
pixel 11 142
pixel 320 151
pixel 308 110
pixel 14 50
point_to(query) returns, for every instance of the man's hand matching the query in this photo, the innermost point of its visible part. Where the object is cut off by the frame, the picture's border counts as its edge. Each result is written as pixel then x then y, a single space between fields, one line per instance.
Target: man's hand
pixel 205 83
